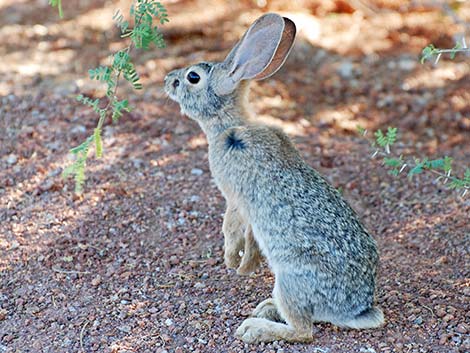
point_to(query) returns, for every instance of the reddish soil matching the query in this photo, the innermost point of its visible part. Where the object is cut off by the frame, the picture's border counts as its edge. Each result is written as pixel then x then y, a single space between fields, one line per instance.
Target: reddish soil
pixel 135 264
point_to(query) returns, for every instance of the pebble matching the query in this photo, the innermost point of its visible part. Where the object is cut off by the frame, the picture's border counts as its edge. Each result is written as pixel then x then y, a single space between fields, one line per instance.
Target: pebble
pixel 12 159
pixel 448 318
pixel 440 312
pixel 79 129
pixel 3 314
pixel 14 245
pixel 196 171
pixel 96 281
pixel 168 322
pixel 125 328
pixel 407 64
pixel 345 69
pixel 46 185
pixel 462 328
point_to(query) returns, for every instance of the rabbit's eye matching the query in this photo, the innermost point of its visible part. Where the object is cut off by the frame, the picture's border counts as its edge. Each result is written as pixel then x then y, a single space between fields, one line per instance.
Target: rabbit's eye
pixel 193 77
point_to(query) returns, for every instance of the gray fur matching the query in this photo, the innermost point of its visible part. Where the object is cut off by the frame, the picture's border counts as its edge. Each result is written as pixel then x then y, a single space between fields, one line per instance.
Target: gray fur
pixel 324 261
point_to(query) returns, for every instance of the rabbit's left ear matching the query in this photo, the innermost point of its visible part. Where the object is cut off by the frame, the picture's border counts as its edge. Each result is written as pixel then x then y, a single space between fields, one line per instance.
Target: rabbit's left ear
pixel 260 53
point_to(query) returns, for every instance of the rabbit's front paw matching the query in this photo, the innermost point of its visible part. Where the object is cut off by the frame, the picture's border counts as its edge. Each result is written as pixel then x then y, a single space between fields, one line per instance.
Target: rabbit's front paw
pixel 232 259
pixel 251 259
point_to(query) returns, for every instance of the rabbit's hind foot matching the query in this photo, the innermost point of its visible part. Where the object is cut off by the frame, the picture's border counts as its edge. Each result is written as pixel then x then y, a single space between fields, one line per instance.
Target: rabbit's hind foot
pixel 256 330
pixel 267 310
pixel 370 318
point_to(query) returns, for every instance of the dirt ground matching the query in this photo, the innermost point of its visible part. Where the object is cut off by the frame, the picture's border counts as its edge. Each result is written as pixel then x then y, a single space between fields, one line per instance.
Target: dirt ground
pixel 135 264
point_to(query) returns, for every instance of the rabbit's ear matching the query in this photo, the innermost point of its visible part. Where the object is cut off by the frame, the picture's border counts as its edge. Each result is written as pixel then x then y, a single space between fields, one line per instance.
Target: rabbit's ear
pixel 260 53
pixel 282 51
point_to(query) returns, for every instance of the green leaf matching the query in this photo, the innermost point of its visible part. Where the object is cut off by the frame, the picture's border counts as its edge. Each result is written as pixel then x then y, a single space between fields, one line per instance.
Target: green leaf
pixel 58 4
pixel 391 135
pixel 455 49
pixel 101 73
pixel 77 169
pixel 417 169
pixel 435 164
pixel 380 138
pixel 118 108
pixel 447 167
pixel 428 52
pixel 466 176
pixel 83 147
pixel 98 142
pixel 393 162
pixel 360 130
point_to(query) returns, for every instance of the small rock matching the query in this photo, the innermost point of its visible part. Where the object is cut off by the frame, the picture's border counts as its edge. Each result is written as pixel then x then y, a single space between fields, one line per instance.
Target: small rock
pixel 46 185
pixel 12 159
pixel 174 260
pixel 137 163
pixel 462 328
pixel 125 328
pixel 440 312
pixel 407 64
pixel 448 318
pixel 3 314
pixel 196 171
pixel 168 322
pixel 14 245
pixel 79 129
pixel 418 320
pixel 443 339
pixel 96 281
pixel 54 173
pixel 345 70
pixel 194 198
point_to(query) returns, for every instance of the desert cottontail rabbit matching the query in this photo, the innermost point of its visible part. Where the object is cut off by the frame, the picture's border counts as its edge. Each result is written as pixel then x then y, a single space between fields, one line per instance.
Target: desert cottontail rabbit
pixel 323 259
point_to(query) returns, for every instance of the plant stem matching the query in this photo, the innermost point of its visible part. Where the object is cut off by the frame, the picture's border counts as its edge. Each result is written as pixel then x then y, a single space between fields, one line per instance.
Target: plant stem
pixel 118 75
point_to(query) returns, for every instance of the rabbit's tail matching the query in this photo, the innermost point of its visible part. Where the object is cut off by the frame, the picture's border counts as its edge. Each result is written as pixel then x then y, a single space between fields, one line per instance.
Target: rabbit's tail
pixel 370 318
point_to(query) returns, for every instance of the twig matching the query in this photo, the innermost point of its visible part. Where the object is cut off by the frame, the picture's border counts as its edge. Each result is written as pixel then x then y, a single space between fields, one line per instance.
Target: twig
pixel 69 272
pixel 167 285
pixel 82 332
pixel 427 307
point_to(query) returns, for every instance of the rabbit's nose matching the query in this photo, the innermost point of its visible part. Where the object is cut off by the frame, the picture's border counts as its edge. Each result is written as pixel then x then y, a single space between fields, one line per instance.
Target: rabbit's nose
pixel 176 83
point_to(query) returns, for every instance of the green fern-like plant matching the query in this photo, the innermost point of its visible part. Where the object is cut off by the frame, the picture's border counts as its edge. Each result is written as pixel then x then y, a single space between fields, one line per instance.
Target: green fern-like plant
pixel 441 167
pixel 143 35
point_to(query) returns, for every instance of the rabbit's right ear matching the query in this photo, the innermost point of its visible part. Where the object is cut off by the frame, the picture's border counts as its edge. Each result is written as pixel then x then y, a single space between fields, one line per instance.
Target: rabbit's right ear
pixel 260 53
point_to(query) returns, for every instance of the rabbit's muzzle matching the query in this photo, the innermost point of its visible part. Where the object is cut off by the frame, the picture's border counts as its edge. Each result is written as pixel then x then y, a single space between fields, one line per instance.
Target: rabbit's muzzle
pixel 171 84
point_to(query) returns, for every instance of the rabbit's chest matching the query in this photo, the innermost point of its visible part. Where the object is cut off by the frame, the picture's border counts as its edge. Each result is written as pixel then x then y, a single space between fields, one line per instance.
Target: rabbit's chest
pixel 229 161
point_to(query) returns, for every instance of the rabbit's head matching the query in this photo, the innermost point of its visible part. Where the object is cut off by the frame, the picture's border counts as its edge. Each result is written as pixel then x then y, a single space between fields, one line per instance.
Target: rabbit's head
pixel 206 89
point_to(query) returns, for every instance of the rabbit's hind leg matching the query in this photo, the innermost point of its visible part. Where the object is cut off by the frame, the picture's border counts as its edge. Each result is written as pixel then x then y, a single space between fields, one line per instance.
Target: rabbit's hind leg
pixel 256 330
pixel 298 328
pixel 234 236
pixel 267 310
